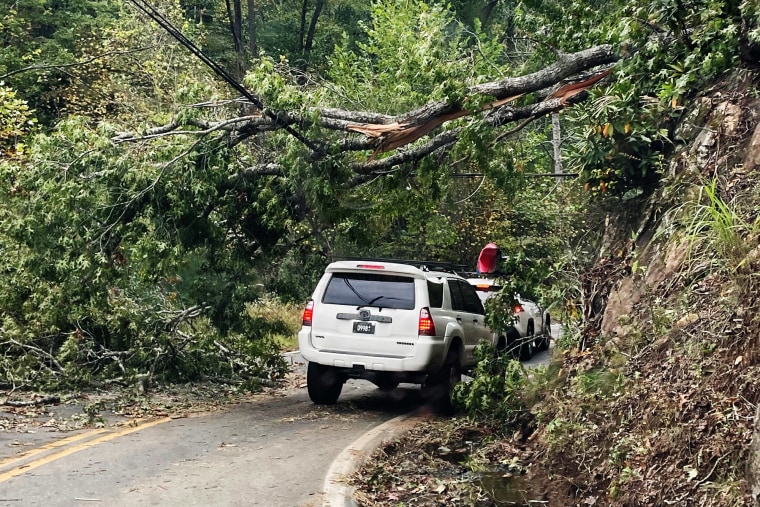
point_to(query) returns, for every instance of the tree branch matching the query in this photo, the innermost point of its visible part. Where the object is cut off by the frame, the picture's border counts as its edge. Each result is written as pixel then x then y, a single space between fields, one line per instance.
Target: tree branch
pixel 381 133
pixel 73 64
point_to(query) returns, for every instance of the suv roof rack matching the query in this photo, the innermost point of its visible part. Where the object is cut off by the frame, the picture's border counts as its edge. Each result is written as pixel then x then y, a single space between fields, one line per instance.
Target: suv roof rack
pixel 448 267
pixel 475 274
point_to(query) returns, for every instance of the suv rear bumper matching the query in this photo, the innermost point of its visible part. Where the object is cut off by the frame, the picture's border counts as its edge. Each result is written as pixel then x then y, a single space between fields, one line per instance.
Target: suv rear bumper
pixel 429 352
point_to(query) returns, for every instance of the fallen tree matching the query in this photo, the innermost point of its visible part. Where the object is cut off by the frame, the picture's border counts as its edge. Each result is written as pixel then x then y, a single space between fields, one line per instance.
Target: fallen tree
pixel 498 103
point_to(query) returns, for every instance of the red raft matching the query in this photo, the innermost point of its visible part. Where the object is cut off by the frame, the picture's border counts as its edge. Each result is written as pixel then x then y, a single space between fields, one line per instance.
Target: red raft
pixel 488 260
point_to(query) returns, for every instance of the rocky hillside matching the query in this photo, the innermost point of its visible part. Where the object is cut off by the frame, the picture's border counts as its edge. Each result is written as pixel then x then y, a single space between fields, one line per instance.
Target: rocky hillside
pixel 658 405
pixel 673 319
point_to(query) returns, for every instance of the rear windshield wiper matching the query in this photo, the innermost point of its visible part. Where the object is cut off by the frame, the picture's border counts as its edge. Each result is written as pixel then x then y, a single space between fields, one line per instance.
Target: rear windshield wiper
pixel 362 298
pixel 370 303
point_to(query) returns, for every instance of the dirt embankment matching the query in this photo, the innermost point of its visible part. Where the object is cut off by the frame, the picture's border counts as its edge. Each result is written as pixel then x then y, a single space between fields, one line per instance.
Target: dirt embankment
pixel 661 404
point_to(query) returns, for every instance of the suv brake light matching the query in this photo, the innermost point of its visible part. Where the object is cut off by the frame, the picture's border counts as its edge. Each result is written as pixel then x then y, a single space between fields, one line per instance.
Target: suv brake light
pixel 519 308
pixel 308 313
pixel 426 326
pixel 370 266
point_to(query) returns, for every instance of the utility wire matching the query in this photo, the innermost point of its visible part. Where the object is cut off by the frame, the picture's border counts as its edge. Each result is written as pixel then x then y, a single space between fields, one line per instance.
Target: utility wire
pixel 164 23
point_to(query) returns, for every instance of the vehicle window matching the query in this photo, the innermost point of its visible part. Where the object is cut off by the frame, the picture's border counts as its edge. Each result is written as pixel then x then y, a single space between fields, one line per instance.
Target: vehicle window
pixel 457 299
pixel 435 293
pixel 472 303
pixel 370 289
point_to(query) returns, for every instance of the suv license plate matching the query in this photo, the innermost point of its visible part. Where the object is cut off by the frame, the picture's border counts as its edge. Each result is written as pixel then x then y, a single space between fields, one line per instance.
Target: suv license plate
pixel 364 327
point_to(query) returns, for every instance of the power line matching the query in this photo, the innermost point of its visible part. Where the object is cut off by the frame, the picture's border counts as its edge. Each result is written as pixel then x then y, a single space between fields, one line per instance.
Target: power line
pixel 164 23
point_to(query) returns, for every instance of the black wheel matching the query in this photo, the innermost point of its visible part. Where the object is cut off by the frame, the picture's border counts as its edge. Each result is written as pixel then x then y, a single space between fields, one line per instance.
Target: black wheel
pixel 542 342
pixel 324 383
pixel 526 345
pixel 439 386
pixel 501 346
pixel 513 343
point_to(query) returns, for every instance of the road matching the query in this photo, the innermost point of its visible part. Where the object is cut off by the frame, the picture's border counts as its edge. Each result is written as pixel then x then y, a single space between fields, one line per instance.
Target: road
pixel 272 451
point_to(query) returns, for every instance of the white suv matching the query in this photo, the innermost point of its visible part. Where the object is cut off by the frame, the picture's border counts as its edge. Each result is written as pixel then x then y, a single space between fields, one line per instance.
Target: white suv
pixel 390 322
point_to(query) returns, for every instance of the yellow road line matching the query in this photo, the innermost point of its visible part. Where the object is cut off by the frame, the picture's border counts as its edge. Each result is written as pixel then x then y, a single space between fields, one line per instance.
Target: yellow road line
pixel 76 448
pixel 52 445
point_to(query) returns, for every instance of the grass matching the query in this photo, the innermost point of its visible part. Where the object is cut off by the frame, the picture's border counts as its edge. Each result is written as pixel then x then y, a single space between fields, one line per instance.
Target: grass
pixel 277 321
pixel 720 238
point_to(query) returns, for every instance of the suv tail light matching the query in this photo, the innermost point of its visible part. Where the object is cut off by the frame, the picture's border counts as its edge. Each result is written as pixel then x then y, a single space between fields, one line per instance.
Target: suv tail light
pixel 519 308
pixel 308 313
pixel 426 326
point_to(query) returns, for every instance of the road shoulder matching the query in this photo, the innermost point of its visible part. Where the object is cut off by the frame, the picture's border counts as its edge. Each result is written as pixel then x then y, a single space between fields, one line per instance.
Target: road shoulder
pixel 336 491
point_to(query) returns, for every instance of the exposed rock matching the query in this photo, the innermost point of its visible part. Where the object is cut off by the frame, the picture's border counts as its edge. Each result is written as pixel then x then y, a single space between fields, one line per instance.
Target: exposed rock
pixel 727 116
pixel 694 120
pixel 621 301
pixel 687 320
pixel 661 344
pixel 752 159
pixel 723 122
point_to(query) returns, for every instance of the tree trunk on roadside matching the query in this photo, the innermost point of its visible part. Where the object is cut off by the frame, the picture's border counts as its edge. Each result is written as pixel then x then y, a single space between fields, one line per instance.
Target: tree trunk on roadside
pixel 252 45
pixel 306 39
pixel 235 16
pixel 312 28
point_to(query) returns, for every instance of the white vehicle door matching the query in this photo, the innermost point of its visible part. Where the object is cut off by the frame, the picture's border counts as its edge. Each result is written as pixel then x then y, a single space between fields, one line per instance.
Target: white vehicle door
pixel 532 311
pixel 471 315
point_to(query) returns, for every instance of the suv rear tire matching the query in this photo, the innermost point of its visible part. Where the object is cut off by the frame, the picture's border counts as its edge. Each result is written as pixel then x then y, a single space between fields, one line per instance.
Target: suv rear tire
pixel 440 385
pixel 542 342
pixel 324 383
pixel 526 345
pixel 385 382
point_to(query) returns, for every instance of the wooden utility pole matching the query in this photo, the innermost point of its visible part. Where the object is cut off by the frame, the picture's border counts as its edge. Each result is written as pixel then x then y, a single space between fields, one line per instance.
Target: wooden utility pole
pixel 556 144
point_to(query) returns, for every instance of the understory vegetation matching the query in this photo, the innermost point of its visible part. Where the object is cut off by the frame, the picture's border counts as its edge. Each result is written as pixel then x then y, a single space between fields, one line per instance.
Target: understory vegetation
pixel 174 177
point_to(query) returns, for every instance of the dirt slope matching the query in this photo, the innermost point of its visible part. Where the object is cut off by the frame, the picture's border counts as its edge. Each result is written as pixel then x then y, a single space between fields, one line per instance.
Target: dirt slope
pixel 659 405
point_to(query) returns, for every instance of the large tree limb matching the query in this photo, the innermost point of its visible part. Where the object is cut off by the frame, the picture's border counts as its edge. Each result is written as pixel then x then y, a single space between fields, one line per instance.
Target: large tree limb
pixel 382 133
pixel 566 66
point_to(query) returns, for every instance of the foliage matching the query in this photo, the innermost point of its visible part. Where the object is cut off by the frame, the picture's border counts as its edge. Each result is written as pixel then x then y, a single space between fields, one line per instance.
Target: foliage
pixel 16 120
pixel 115 266
pixel 675 47
pixel 719 235
pixel 275 320
pixel 495 394
pixel 751 21
pixel 40 48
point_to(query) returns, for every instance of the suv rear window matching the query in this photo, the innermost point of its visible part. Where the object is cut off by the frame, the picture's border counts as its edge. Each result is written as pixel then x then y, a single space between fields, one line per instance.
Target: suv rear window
pixel 370 289
pixel 435 293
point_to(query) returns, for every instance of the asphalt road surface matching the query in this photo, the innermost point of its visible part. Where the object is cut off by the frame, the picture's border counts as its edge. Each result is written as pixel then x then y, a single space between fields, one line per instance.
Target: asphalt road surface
pixel 273 451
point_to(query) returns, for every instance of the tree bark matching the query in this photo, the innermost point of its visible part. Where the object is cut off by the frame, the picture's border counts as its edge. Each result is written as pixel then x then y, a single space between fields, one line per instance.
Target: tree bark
pixel 235 16
pixel 312 28
pixel 302 31
pixel 252 38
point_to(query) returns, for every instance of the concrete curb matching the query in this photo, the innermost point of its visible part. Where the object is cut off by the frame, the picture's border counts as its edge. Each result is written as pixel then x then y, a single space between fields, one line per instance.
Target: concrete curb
pixel 336 492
